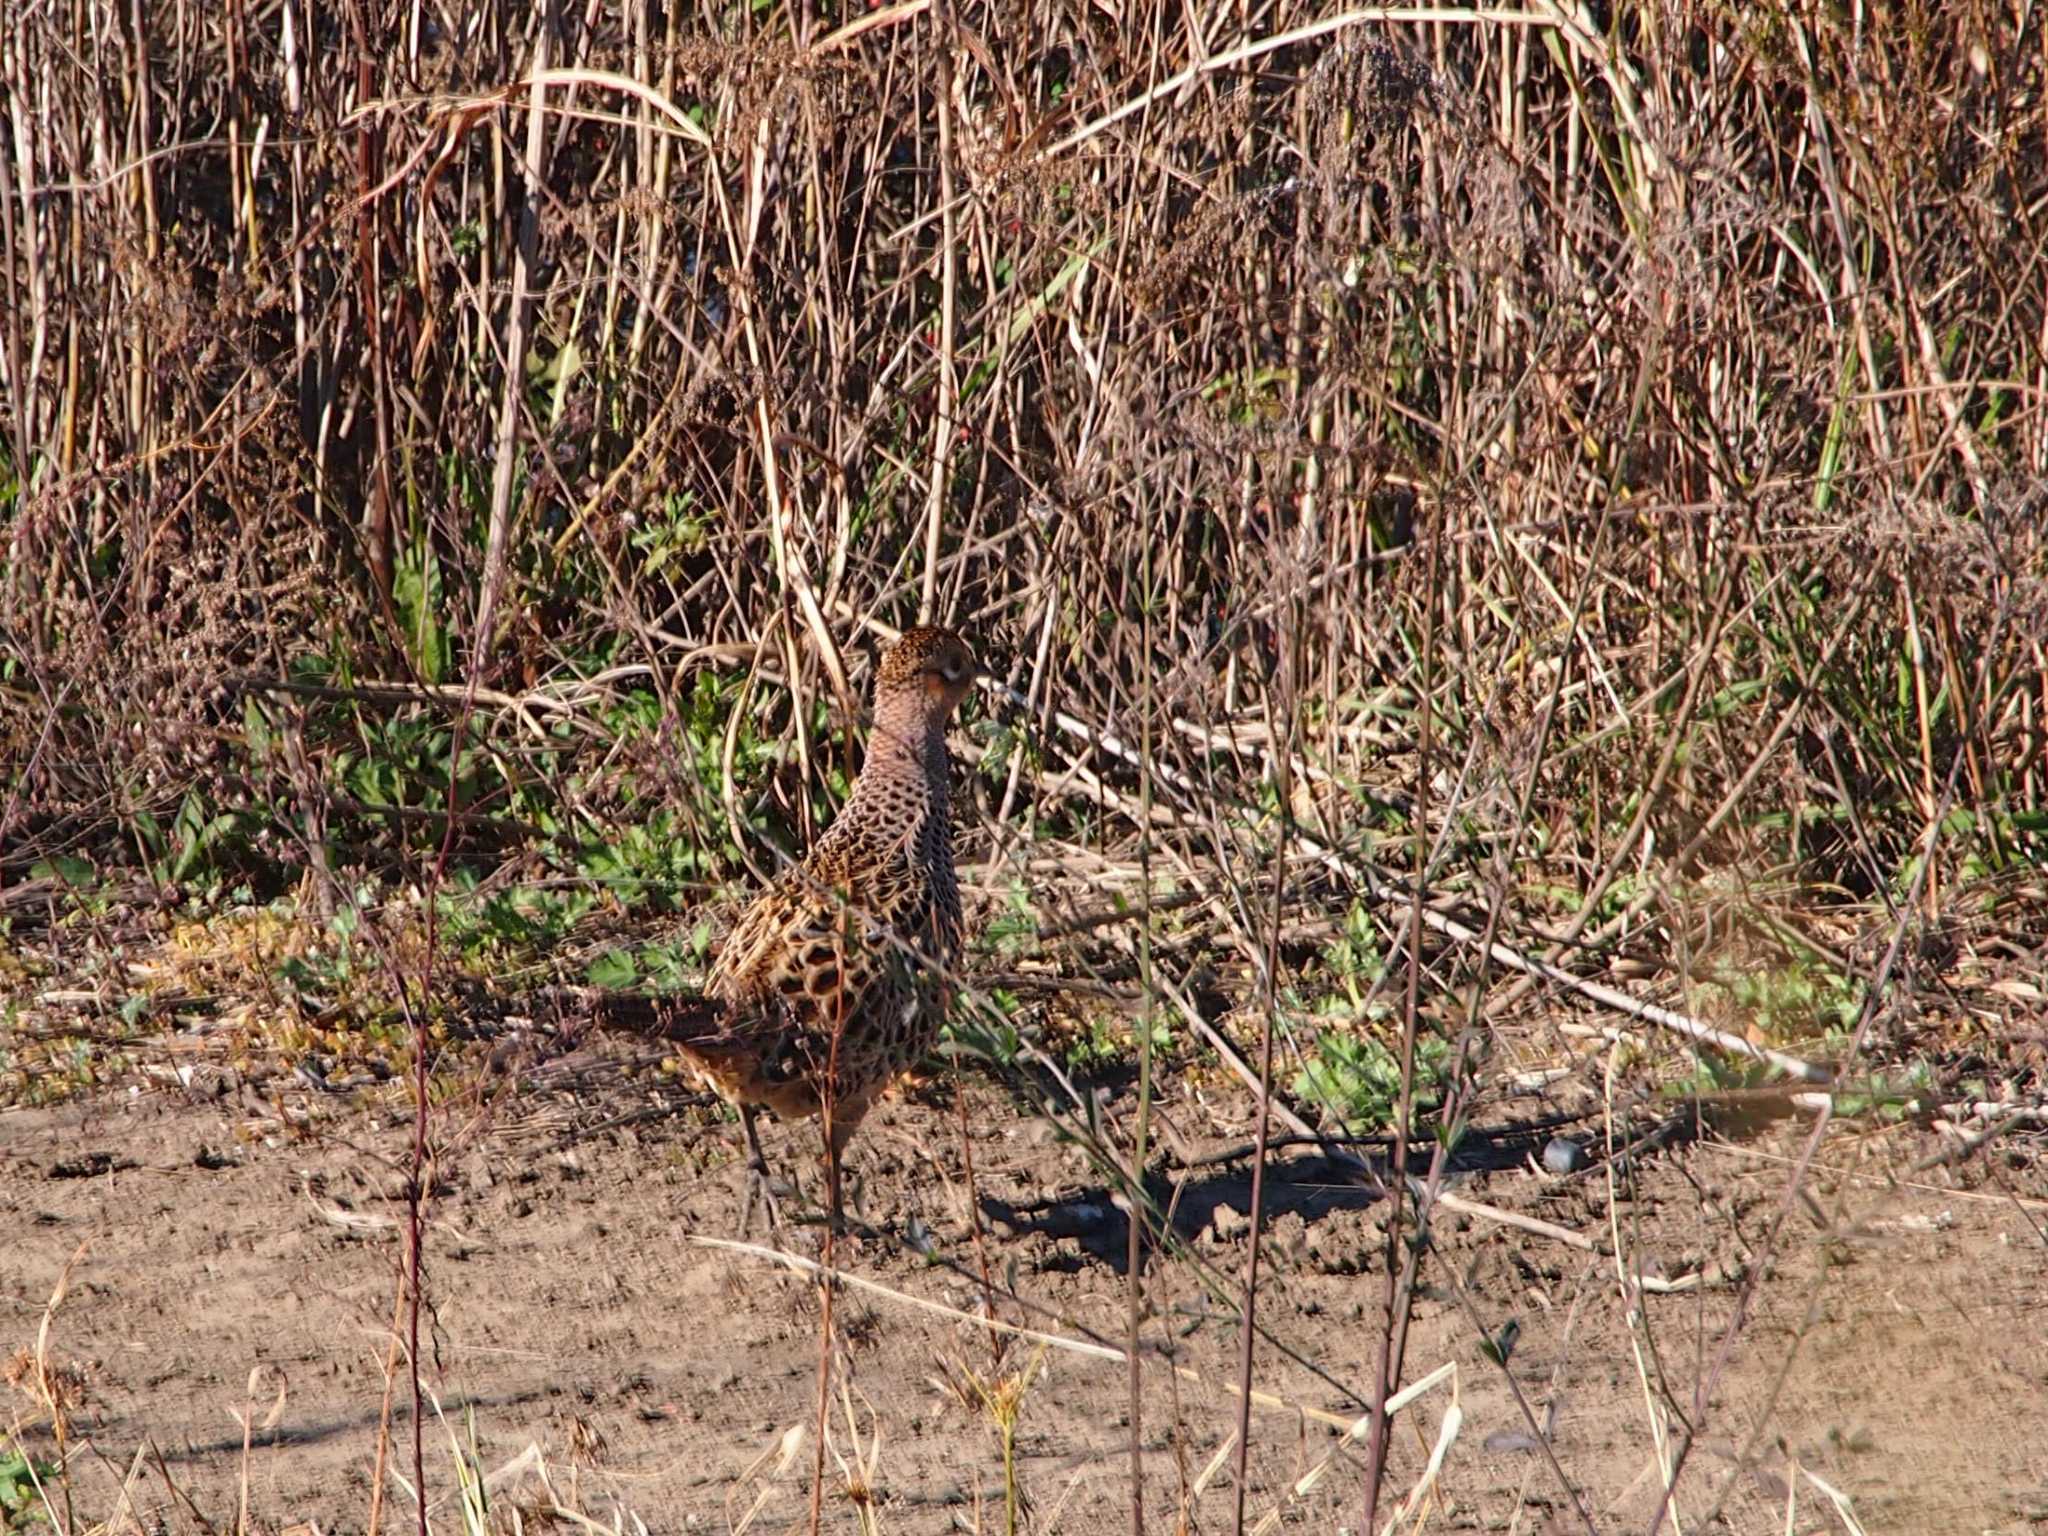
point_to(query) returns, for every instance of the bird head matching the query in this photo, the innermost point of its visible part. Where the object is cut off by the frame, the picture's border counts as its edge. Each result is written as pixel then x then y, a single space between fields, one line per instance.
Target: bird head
pixel 931 665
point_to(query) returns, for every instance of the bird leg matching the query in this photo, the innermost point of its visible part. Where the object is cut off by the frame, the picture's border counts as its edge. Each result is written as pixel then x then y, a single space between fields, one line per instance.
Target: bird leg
pixel 836 1216
pixel 759 1186
pixel 840 1122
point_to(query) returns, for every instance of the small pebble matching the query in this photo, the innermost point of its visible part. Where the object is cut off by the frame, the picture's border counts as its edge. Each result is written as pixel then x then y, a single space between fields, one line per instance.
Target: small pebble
pixel 1563 1155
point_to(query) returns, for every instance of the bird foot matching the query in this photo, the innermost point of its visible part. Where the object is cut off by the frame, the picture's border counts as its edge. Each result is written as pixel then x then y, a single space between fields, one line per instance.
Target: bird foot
pixel 841 1246
pixel 766 1191
pixel 849 1229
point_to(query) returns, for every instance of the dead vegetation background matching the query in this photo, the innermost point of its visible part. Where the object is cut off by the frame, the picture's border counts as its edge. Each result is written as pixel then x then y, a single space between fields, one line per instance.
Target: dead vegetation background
pixel 1585 460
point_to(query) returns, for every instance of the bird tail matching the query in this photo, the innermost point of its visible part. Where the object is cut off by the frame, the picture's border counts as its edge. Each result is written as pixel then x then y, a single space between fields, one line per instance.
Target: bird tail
pixel 680 1017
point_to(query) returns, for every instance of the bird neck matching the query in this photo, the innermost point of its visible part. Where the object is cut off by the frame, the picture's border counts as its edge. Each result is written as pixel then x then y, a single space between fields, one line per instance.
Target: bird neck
pixel 908 744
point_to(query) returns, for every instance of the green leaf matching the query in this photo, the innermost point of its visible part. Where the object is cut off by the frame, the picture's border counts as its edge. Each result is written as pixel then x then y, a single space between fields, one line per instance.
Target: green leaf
pixel 73 872
pixel 416 594
pixel 613 969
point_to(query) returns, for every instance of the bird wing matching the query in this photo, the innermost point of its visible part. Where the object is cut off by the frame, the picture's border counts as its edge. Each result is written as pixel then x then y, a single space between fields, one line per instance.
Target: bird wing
pixel 829 941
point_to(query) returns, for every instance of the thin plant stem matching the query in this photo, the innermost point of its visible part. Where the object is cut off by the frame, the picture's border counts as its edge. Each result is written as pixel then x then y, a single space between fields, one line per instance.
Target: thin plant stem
pixel 1402 1258
pixel 1283 784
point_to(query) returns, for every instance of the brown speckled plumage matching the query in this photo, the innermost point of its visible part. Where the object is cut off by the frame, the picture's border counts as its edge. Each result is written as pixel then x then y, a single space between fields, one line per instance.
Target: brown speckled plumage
pixel 837 977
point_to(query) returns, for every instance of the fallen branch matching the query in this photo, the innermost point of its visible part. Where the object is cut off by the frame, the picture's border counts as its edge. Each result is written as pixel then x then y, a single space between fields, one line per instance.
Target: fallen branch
pixel 1350 1424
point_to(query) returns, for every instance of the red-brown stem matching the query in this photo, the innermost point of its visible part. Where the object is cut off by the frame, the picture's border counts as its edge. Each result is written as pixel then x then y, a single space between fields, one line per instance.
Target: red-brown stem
pixel 1282 758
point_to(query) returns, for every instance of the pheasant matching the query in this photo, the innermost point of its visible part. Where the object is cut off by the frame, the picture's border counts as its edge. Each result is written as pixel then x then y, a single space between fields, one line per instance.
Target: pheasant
pixel 836 978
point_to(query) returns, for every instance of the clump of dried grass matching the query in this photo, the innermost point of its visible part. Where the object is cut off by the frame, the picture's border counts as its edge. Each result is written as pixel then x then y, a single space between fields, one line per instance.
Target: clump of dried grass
pixel 1514 273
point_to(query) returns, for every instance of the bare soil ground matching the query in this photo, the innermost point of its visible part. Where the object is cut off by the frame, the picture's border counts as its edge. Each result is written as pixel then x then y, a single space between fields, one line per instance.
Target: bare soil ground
pixel 1904 1365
